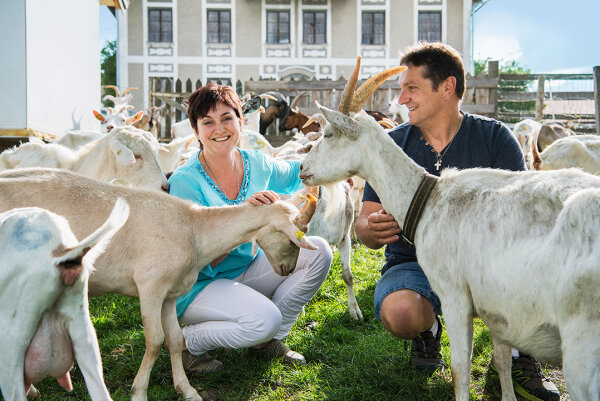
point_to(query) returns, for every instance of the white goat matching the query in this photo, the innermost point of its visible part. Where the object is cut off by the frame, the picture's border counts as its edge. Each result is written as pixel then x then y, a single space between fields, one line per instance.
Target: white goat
pixel 521 250
pixel 162 247
pixel 126 154
pixel 169 155
pixel 76 139
pixel 333 221
pixel 398 112
pixel 44 275
pixel 582 151
pixel 255 141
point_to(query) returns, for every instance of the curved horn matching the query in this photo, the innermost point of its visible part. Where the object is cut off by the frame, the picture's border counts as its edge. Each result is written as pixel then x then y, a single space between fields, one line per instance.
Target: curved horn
pixel 306 213
pixel 295 101
pixel 348 93
pixel 267 96
pixel 387 123
pixel 362 94
pixel 113 87
pixel 317 117
pixel 128 90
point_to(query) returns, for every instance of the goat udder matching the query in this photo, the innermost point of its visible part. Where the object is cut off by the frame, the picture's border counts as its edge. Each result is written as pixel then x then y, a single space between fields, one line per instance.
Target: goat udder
pixel 50 353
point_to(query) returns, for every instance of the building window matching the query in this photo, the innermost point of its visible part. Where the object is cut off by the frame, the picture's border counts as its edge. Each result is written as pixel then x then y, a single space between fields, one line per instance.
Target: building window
pixel 430 26
pixel 373 28
pixel 278 27
pixel 314 29
pixel 160 27
pixel 219 26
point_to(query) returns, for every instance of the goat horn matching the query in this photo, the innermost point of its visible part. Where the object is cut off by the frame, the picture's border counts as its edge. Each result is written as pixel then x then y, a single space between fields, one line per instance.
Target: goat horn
pixel 366 89
pixel 267 96
pixel 317 117
pixel 306 213
pixel 295 101
pixel 387 123
pixel 127 90
pixel 113 87
pixel 348 93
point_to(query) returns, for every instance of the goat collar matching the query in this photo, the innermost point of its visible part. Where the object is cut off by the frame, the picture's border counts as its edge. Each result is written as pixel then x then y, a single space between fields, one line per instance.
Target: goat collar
pixel 416 207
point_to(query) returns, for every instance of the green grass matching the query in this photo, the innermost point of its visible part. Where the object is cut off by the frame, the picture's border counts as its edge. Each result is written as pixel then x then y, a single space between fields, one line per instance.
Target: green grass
pixel 347 360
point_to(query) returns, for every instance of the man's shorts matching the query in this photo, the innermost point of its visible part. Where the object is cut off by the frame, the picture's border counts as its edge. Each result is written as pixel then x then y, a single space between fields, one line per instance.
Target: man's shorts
pixel 404 276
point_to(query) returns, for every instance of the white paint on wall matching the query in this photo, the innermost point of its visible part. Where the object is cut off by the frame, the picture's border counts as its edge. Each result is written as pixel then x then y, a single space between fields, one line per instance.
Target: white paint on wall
pixel 63 65
pixel 13 74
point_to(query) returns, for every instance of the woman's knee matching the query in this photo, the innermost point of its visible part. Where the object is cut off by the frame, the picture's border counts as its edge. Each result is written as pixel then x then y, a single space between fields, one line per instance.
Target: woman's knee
pixel 264 323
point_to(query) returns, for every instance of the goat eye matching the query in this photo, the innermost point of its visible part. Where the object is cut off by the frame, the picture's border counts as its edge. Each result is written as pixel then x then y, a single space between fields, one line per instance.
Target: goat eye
pixel 138 157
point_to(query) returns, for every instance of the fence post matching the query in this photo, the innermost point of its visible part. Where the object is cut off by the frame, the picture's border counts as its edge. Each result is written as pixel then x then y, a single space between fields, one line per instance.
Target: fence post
pixel 597 97
pixel 493 72
pixel 539 104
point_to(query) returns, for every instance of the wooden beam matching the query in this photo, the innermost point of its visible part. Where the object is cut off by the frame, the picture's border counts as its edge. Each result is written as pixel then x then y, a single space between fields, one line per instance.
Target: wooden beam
pixel 27 132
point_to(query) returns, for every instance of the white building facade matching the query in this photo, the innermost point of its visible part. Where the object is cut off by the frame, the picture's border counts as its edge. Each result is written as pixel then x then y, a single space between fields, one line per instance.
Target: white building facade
pixel 233 40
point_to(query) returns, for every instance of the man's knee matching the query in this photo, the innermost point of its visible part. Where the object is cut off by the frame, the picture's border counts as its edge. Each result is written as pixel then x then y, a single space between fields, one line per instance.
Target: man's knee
pixel 404 316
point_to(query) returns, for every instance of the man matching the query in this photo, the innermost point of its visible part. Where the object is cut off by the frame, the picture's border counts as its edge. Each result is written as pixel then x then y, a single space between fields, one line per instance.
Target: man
pixel 436 136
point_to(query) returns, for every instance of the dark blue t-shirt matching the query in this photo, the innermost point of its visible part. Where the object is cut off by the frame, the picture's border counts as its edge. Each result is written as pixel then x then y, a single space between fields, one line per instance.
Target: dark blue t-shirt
pixel 480 142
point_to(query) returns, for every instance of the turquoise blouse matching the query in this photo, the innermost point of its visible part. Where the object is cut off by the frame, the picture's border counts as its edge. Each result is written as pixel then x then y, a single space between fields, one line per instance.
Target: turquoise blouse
pixel 261 173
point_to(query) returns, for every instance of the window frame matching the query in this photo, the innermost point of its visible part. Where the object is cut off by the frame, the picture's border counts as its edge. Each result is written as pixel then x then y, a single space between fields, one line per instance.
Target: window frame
pixel 278 33
pixel 373 32
pixel 161 31
pixel 314 31
pixel 430 32
pixel 219 24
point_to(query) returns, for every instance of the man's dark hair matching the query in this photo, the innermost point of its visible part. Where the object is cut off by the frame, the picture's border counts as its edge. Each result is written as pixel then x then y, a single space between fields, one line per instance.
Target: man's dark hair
pixel 206 98
pixel 440 60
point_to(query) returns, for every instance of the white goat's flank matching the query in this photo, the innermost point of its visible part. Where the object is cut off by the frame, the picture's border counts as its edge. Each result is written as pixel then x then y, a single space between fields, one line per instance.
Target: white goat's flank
pixel 581 151
pixel 102 159
pixel 39 308
pixel 519 249
pixel 158 253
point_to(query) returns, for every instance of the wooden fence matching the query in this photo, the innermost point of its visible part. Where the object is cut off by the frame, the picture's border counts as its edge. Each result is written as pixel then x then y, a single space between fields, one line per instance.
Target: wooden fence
pixel 490 95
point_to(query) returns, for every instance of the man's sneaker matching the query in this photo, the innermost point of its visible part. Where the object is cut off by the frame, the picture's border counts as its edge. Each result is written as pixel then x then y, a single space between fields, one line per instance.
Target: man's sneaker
pixel 425 351
pixel 528 380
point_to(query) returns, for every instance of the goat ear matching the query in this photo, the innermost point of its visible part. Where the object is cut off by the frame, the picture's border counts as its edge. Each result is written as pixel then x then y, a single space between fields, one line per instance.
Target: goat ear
pixel 123 153
pixel 298 237
pixel 138 116
pixel 99 116
pixel 342 122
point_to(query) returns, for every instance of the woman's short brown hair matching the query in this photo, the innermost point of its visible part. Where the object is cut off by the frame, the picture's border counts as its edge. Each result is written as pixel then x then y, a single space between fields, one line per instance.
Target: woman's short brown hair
pixel 206 98
pixel 440 60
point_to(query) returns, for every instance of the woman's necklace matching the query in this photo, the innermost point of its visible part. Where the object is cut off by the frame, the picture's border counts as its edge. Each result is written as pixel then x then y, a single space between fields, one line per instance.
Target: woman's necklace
pixel 236 177
pixel 439 156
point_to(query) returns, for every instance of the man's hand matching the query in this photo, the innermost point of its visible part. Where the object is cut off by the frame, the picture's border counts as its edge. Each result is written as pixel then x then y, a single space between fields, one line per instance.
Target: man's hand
pixel 375 227
pixel 383 227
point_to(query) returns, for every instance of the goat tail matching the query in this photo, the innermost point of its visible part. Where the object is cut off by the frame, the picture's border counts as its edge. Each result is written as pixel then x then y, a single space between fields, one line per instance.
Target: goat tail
pixel 95 244
pixel 334 195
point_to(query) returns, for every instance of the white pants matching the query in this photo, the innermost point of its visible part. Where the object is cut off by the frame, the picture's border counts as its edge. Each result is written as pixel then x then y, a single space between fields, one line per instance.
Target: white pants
pixel 238 313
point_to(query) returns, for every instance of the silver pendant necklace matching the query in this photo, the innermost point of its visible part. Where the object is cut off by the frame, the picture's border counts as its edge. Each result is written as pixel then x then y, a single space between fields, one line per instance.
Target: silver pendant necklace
pixel 439 156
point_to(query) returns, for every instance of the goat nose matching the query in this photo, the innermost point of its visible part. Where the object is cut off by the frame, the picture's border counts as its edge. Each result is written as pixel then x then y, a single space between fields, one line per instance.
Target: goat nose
pixel 165 187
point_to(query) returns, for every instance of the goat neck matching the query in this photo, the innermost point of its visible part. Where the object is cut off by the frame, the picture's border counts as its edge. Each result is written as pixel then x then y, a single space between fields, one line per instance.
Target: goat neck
pixel 393 175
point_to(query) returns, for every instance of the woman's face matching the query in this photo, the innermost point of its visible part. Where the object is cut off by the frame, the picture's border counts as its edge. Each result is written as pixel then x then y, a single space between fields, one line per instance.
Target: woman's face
pixel 220 129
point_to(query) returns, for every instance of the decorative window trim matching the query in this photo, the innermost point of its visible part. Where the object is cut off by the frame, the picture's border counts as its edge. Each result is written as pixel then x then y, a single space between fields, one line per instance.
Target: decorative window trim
pixel 443 7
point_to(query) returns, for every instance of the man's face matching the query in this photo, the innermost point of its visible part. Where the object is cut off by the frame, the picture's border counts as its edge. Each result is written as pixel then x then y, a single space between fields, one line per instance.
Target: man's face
pixel 418 95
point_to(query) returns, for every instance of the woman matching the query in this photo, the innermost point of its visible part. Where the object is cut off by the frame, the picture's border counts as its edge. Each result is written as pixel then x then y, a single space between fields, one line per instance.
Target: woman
pixel 238 300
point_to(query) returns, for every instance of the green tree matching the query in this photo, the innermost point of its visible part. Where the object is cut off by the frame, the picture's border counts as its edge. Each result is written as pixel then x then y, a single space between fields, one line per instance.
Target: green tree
pixel 505 86
pixel 108 68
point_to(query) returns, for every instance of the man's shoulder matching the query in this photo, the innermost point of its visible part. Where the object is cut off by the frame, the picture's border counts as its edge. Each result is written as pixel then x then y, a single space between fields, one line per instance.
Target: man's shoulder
pixel 400 132
pixel 483 124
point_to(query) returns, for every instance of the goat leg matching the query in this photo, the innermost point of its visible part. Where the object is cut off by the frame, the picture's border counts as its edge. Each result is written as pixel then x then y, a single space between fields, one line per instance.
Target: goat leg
pixel 175 341
pixel 502 361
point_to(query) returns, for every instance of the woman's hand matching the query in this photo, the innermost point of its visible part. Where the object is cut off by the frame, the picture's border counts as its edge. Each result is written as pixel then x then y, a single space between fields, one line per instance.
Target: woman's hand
pixel 263 198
